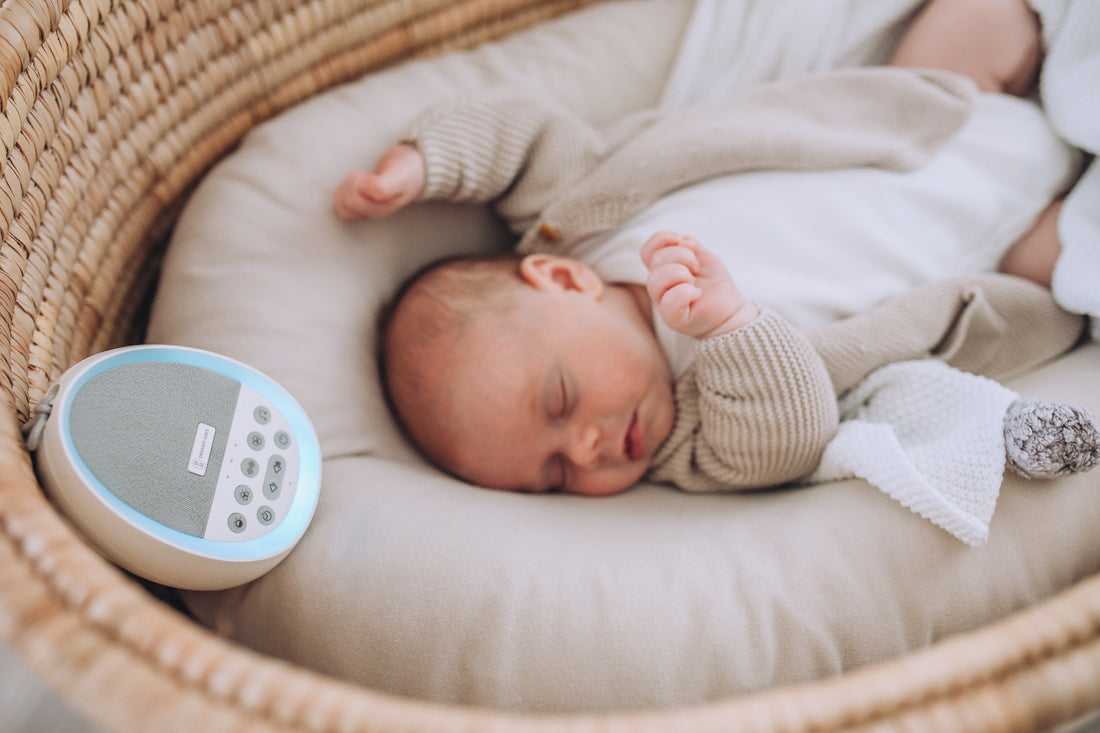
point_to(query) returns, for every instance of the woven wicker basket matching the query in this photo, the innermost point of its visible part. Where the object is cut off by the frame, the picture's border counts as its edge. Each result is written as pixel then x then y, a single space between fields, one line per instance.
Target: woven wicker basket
pixel 112 110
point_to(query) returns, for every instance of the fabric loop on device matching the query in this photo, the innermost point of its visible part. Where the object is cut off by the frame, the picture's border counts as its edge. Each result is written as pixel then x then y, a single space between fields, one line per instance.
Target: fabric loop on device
pixel 32 428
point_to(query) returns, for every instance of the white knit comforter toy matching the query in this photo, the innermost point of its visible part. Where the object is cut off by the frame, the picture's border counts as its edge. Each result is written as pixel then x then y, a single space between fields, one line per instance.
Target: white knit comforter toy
pixel 929 436
pixel 1069 86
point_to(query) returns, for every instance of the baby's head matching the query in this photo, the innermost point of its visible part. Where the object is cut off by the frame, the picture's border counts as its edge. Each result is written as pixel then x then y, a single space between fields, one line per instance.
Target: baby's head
pixel 528 374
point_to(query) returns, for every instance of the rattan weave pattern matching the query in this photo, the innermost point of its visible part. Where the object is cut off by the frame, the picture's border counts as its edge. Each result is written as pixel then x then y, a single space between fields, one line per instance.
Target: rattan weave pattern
pixel 110 112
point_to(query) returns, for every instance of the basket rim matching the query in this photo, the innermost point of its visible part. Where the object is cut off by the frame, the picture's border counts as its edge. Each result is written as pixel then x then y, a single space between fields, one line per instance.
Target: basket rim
pixel 64 603
pixel 97 636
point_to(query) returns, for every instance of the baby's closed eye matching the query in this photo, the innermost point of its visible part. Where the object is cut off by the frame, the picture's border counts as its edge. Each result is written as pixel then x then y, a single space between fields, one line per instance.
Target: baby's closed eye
pixel 561 399
pixel 558 397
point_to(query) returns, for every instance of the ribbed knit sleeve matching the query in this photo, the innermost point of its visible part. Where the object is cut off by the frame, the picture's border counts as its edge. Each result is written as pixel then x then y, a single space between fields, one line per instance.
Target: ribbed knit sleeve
pixel 755 410
pixel 993 325
pixel 507 147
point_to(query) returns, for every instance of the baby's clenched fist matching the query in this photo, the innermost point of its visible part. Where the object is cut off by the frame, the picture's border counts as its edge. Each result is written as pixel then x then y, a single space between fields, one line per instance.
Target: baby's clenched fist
pixel 396 181
pixel 691 288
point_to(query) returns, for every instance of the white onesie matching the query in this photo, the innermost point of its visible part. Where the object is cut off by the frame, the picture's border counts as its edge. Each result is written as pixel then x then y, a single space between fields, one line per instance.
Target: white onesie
pixel 818 246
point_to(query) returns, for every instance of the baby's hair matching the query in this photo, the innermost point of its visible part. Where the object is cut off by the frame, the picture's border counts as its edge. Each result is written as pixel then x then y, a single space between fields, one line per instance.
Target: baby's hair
pixel 431 309
pixel 457 288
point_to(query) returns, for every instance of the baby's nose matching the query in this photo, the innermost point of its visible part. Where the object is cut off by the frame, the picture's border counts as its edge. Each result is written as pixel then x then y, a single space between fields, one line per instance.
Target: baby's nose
pixel 585 449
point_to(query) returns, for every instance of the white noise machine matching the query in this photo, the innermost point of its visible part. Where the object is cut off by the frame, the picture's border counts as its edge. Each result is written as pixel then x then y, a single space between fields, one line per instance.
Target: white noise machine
pixel 185 467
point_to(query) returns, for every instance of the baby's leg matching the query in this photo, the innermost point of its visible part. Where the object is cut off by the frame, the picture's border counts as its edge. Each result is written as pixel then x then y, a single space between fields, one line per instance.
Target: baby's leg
pixel 997 43
pixel 1034 254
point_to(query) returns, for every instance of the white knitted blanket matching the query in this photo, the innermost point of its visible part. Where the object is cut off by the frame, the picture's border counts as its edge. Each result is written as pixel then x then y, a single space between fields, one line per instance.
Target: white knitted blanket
pixel 1069 86
pixel 931 437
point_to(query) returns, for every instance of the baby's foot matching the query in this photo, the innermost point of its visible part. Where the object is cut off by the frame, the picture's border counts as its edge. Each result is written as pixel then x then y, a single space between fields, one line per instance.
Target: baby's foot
pixel 1050 439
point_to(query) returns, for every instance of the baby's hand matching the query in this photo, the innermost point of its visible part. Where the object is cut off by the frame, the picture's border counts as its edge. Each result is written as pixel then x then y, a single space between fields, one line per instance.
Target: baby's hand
pixel 692 289
pixel 397 180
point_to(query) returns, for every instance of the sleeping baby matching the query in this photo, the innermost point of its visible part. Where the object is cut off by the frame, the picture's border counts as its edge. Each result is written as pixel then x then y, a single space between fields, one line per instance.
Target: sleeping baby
pixel 535 373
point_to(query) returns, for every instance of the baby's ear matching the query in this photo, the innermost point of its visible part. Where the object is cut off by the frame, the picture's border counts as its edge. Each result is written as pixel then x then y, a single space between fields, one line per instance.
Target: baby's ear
pixel 552 273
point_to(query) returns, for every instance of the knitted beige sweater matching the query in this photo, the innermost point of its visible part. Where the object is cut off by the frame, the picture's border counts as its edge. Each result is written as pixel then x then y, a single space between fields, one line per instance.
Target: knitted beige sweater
pixel 758 406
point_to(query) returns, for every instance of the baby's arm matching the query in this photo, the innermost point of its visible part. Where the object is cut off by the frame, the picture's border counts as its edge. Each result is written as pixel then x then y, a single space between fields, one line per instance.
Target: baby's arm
pixel 505 146
pixel 992 325
pixel 758 408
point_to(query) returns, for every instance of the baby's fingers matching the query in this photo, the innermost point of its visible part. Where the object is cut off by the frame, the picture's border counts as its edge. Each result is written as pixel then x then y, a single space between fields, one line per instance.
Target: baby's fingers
pixel 367 196
pixel 658 243
pixel 349 200
pixel 666 277
pixel 674 255
pixel 676 303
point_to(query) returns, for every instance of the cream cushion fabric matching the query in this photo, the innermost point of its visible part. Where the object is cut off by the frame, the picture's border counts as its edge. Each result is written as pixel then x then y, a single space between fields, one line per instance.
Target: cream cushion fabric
pixel 415 584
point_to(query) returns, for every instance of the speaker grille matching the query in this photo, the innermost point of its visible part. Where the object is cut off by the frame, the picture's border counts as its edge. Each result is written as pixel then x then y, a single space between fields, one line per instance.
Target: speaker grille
pixel 134 426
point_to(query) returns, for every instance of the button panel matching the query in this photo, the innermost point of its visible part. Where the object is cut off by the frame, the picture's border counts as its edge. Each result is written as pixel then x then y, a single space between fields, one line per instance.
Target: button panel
pixel 259 472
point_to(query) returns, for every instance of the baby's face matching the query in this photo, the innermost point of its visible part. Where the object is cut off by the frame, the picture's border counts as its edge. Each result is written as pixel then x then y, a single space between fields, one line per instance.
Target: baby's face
pixel 567 391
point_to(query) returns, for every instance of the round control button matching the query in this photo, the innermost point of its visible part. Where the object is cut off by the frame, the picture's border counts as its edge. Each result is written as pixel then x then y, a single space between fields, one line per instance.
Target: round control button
pixel 266 515
pixel 255 441
pixel 249 467
pixel 236 523
pixel 282 439
pixel 242 494
pixel 262 415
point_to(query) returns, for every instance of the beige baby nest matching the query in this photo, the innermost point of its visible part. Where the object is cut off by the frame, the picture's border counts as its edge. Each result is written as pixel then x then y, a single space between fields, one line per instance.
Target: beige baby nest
pixel 112 111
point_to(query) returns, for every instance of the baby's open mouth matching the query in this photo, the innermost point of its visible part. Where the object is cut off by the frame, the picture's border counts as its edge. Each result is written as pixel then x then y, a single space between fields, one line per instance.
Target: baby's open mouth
pixel 634 444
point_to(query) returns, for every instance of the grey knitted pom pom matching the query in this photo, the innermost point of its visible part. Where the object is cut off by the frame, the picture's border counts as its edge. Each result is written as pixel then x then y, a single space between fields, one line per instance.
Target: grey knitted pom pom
pixel 1050 439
